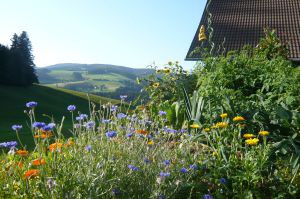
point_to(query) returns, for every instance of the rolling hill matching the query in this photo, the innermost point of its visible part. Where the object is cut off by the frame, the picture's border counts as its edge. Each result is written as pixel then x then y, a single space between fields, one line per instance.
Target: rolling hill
pixel 101 79
pixel 52 102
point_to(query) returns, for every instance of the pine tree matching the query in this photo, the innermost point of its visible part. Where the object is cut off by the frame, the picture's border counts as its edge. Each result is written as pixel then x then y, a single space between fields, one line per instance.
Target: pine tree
pixel 4 60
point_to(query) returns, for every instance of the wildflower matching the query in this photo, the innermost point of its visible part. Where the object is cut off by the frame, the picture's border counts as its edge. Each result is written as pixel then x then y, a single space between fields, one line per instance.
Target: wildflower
pixel 150 143
pixel 223 181
pixel 111 134
pixel 248 136
pixel 55 146
pixel 106 121
pixel 238 119
pixel 121 115
pixel 160 113
pixel 167 71
pixel 20 164
pixel 224 115
pixel 48 127
pixel 129 135
pixel 183 170
pixel 264 133
pixel 183 130
pixel 202 36
pixel 71 108
pixel 164 174
pixel 156 85
pixel 113 108
pixel 133 168
pixel 194 167
pixel 43 135
pixel 31 173
pixel 195 126
pixel 161 196
pixel 222 124
pixel 31 104
pixel 143 132
pixel 16 127
pixel 11 144
pixel 147 161
pixel 215 154
pixel 38 162
pixel 90 125
pixel 70 142
pixel 51 183
pixel 88 148
pixel 38 124
pixel 207 196
pixel 22 152
pixel 123 97
pixel 167 162
pixel 207 129
pixel 252 142
pixel 116 192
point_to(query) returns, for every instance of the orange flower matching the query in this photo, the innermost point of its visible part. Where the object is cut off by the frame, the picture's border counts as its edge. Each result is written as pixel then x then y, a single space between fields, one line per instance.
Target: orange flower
pixel 69 143
pixel 38 162
pixel 20 164
pixel 55 146
pixel 22 152
pixel 143 132
pixel 31 173
pixel 44 135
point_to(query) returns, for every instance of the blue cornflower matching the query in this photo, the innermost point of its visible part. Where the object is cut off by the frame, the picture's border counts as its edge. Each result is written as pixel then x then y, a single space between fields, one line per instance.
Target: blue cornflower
pixel 123 97
pixel 81 117
pixel 77 126
pixel 10 144
pixel 113 108
pixel 223 180
pixel 207 196
pixel 147 161
pixel 90 125
pixel 129 135
pixel 164 174
pixel 194 167
pixel 106 121
pixel 88 148
pixel 184 170
pixel 160 113
pixel 167 162
pixel 133 168
pixel 16 127
pixel 31 104
pixel 183 130
pixel 38 124
pixel 48 127
pixel 116 192
pixel 71 108
pixel 111 134
pixel 121 115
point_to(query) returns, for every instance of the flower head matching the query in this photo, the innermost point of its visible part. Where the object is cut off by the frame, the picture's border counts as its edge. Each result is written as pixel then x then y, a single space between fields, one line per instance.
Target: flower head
pixel 22 152
pixel 113 108
pixel 71 108
pixel 129 135
pixel 121 115
pixel 223 181
pixel 207 129
pixel 38 162
pixel 223 115
pixel 111 134
pixel 31 104
pixel 155 85
pixel 264 133
pixel 38 124
pixel 90 125
pixel 88 148
pixel 143 132
pixel 160 113
pixel 55 146
pixel 248 136
pixel 184 170
pixel 252 142
pixel 31 173
pixel 48 127
pixel 164 174
pixel 167 162
pixel 195 126
pixel 238 119
pixel 147 161
pixel 207 196
pixel 132 167
pixel 123 97
pixel 194 167
pixel 150 143
pixel 11 144
pixel 16 127
pixel 222 124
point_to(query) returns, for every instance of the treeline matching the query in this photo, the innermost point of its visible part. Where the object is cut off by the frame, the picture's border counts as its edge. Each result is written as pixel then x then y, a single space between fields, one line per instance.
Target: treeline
pixel 16 62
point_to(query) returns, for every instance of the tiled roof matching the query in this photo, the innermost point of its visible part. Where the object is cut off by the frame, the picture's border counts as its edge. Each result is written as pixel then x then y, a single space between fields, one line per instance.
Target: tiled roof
pixel 242 22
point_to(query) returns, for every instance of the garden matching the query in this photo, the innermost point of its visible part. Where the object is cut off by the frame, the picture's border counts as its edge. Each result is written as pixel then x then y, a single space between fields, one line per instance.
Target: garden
pixel 228 129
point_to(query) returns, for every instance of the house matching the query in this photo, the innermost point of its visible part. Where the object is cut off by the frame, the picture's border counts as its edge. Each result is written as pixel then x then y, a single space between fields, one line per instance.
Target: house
pixel 240 22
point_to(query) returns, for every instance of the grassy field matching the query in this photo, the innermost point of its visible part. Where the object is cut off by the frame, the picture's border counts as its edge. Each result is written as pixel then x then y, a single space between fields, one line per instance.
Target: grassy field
pixel 51 101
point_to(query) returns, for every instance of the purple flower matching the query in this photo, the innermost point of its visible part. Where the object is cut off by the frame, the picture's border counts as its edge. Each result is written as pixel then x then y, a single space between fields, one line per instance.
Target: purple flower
pixel 88 148
pixel 160 113
pixel 167 162
pixel 113 108
pixel 90 125
pixel 71 108
pixel 77 126
pixel 129 135
pixel 207 196
pixel 184 170
pixel 16 127
pixel 81 117
pixel 48 127
pixel 10 144
pixel 223 180
pixel 133 168
pixel 164 174
pixel 121 115
pixel 147 161
pixel 38 124
pixel 106 121
pixel 111 134
pixel 194 167
pixel 31 104
pixel 183 130
pixel 123 97
pixel 116 192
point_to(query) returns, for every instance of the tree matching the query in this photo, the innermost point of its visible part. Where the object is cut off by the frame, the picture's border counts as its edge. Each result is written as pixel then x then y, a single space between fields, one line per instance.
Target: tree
pixel 4 60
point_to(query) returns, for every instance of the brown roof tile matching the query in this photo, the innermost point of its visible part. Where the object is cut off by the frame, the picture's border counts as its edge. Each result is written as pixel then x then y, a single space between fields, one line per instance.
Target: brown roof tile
pixel 242 22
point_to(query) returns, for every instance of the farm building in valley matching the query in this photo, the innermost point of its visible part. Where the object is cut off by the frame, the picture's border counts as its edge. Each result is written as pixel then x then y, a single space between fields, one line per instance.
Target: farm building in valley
pixel 240 22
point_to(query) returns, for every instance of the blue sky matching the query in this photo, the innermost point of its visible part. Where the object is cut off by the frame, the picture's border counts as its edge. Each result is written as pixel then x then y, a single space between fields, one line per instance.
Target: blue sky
pixel 133 33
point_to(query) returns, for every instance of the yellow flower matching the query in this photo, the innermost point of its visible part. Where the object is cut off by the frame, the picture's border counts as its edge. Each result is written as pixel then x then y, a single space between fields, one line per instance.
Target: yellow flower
pixel 167 71
pixel 202 36
pixel 207 129
pixel 248 136
pixel 252 142
pixel 264 133
pixel 215 154
pixel 150 143
pixel 224 115
pixel 222 124
pixel 238 118
pixel 195 126
pixel 156 85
